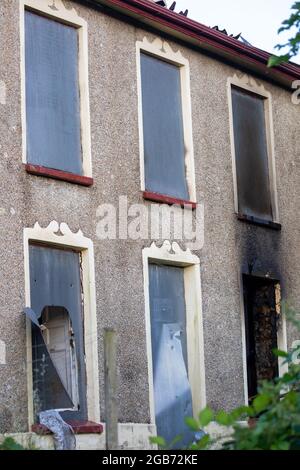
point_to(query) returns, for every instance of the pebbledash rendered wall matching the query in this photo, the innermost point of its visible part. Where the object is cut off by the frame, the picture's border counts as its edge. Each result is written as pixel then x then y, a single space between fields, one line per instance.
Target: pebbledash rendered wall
pixel 230 246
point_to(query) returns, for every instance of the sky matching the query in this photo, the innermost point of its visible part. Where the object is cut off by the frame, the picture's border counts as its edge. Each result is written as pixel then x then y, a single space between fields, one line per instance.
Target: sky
pixel 257 20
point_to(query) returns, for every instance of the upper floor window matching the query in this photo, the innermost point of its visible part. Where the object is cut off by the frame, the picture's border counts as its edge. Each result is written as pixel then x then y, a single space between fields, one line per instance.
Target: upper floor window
pixel 165 123
pixel 253 154
pixel 52 94
pixel 55 121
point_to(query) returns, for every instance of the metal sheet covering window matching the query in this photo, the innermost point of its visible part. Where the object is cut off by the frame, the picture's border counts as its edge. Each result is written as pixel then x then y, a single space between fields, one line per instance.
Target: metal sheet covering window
pixel 172 391
pixel 52 94
pixel 164 149
pixel 251 153
pixel 56 298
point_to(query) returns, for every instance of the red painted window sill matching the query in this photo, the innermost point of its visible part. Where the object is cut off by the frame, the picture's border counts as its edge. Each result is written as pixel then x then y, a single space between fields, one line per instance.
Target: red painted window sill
pixel 79 427
pixel 58 175
pixel 156 197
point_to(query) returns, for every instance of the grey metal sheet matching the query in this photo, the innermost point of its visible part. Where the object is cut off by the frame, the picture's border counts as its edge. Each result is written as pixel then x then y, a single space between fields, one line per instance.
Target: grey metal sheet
pixel 52 94
pixel 55 281
pixel 172 392
pixel 164 149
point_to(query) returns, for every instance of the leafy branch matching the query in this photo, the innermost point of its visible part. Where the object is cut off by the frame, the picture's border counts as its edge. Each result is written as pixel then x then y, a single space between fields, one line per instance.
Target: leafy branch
pixel 293 44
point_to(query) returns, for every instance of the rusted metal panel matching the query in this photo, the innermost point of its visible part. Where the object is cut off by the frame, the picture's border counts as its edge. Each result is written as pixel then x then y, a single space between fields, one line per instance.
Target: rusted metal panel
pixel 261 323
pixel 52 94
pixel 164 150
pixel 252 170
pixel 56 284
pixel 172 392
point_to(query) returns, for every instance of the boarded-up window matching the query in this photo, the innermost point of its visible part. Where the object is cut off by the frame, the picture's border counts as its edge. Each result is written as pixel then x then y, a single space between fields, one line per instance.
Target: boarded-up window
pixel 52 94
pixel 261 319
pixel 172 392
pixel 164 149
pixel 251 153
pixel 56 298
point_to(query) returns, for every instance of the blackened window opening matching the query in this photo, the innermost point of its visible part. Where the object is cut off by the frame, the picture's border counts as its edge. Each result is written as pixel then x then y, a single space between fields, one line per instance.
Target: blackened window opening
pixel 261 322
pixel 251 155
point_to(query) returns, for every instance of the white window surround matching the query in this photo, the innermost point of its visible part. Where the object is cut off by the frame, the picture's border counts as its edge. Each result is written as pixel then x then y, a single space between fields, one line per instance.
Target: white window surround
pixel 245 82
pixel 56 10
pixel 172 254
pixel 60 235
pixel 161 49
pixel 281 335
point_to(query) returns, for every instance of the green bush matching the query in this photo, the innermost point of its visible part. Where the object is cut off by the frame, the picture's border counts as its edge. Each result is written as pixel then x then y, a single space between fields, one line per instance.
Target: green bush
pixel 10 444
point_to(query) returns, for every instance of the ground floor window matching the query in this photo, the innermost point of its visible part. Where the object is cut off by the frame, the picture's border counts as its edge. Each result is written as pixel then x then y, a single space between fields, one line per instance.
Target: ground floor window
pixel 262 318
pixel 175 340
pixel 62 351
pixel 172 391
pixel 59 374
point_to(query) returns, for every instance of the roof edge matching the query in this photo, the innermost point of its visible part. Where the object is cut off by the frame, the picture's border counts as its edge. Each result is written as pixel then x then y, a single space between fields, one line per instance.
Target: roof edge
pixel 204 38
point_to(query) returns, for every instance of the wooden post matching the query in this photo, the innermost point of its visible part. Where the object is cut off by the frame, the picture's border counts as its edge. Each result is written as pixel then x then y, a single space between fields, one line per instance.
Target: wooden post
pixel 110 384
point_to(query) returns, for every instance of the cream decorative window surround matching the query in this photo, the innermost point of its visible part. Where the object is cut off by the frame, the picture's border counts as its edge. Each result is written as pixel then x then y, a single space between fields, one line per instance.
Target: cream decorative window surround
pixel 247 83
pixel 59 235
pixel 172 254
pixel 56 10
pixel 162 50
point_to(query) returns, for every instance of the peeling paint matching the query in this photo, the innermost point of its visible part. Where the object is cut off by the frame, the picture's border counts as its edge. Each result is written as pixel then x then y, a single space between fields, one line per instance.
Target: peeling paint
pixel 2 353
pixel 2 92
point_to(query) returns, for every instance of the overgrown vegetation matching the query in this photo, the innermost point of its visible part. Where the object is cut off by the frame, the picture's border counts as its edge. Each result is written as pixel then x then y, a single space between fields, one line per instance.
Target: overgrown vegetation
pixel 272 422
pixel 10 444
pixel 293 44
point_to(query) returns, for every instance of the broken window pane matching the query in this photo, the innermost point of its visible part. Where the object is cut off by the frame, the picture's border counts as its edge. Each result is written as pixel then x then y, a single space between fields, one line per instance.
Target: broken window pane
pixel 164 149
pixel 49 391
pixel 261 320
pixel 251 153
pixel 172 391
pixel 52 94
pixel 56 298
pixel 59 338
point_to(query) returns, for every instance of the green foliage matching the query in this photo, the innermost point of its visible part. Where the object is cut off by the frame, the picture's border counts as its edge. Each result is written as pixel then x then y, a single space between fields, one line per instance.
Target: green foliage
pixel 293 44
pixel 10 444
pixel 159 441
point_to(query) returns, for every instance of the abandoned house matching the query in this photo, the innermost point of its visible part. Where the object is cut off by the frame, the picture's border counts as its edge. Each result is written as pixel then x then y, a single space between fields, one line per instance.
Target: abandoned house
pixel 102 100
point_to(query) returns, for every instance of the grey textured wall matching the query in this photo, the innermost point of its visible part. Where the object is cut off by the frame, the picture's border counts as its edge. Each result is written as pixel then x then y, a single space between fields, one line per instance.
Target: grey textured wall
pixel 229 244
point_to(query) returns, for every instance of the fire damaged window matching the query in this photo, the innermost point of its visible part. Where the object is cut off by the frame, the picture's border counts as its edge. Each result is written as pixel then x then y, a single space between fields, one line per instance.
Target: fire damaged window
pixel 172 390
pixel 251 155
pixel 262 314
pixel 163 132
pixel 53 128
pixel 59 374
